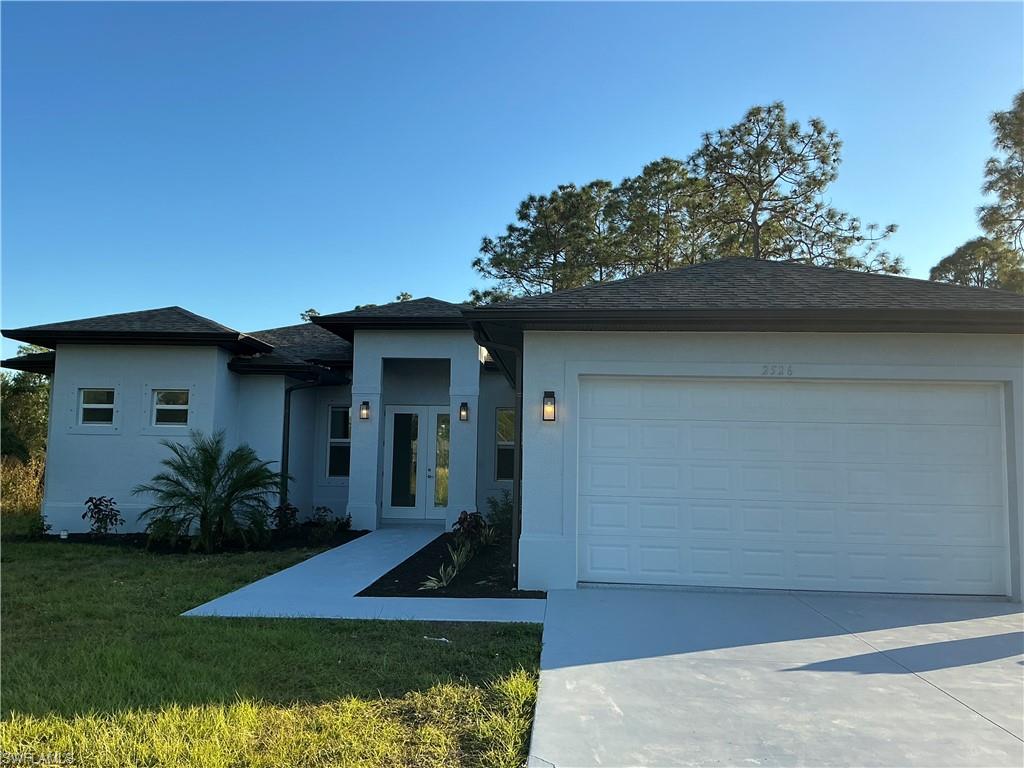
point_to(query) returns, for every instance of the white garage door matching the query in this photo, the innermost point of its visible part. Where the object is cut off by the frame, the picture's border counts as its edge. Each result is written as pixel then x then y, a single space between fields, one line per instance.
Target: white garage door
pixel 880 487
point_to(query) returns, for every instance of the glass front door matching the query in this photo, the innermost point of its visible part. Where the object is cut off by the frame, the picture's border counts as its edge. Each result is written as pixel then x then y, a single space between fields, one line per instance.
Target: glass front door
pixel 417 444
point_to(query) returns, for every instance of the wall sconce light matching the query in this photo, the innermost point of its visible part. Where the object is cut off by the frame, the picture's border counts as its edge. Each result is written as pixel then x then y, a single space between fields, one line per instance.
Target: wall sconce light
pixel 364 410
pixel 548 413
pixel 464 412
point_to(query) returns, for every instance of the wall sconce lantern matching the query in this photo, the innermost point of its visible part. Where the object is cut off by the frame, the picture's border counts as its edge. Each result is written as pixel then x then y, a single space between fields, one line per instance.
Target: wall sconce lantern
pixel 548 412
pixel 364 410
pixel 464 412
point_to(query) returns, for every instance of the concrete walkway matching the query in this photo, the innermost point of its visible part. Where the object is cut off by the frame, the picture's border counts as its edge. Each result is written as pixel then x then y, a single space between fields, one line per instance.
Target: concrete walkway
pixel 324 587
pixel 633 677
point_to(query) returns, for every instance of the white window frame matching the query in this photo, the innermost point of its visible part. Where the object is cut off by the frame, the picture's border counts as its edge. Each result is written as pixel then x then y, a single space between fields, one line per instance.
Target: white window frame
pixel 155 409
pixel 82 405
pixel 499 444
pixel 335 441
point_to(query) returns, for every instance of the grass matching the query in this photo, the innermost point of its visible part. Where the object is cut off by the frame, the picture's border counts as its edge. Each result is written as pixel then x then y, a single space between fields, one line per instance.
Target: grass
pixel 98 665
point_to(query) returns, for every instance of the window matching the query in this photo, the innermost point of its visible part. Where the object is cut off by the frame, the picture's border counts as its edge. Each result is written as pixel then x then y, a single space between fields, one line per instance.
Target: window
pixel 505 449
pixel 96 406
pixel 170 407
pixel 339 441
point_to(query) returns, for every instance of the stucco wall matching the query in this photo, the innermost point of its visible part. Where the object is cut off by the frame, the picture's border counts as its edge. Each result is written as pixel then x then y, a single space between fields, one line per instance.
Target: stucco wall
pixel 556 360
pixel 326 491
pixel 495 392
pixel 415 382
pixel 371 348
pixel 85 461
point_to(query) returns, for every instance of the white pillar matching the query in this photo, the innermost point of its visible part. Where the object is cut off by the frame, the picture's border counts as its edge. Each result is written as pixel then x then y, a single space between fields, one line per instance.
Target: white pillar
pixel 464 387
pixel 363 504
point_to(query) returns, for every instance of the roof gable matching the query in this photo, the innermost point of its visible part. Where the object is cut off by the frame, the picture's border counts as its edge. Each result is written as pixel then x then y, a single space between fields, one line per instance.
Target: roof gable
pixel 416 314
pixel 426 307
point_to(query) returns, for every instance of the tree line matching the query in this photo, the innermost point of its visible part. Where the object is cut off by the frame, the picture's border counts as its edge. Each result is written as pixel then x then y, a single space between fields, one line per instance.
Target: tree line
pixel 757 189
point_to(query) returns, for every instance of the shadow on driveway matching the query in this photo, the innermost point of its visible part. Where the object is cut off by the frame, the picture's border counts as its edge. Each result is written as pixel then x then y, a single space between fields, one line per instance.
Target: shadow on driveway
pixel 926 657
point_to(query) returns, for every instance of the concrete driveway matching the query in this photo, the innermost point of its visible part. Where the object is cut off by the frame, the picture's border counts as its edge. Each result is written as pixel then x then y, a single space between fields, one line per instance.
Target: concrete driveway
pixel 670 678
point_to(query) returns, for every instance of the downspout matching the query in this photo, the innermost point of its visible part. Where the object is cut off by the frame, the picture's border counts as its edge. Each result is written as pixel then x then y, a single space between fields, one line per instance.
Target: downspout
pixel 517 480
pixel 286 435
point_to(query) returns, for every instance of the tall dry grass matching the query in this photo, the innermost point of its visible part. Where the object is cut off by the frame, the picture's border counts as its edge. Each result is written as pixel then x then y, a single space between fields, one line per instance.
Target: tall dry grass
pixel 21 493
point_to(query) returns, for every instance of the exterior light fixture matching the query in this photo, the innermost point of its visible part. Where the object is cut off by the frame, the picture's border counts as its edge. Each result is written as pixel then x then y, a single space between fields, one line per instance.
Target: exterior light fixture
pixel 548 412
pixel 364 410
pixel 464 412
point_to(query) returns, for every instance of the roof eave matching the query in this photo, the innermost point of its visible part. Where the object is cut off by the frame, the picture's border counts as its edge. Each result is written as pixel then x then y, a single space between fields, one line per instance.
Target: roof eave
pixel 232 342
pixel 34 363
pixel 346 327
pixel 800 320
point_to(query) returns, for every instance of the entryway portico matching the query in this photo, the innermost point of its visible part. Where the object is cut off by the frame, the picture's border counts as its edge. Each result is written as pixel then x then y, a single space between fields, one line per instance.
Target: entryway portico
pixel 414 456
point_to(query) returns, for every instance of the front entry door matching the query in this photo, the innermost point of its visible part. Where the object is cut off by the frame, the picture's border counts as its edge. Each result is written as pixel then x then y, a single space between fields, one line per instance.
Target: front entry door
pixel 416 450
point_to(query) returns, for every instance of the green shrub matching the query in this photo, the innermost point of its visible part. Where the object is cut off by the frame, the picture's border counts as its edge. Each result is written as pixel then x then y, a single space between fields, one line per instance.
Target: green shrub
pixel 221 496
pixel 102 514
pixel 499 513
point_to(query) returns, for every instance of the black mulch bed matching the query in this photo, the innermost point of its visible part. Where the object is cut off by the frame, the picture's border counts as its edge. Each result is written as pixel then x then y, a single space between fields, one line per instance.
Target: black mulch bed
pixel 488 574
pixel 303 535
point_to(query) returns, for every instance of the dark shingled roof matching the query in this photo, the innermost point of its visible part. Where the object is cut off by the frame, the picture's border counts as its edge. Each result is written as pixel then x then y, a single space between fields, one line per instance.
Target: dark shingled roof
pixel 33 362
pixel 757 284
pixel 167 325
pixel 307 342
pixel 427 307
pixel 165 319
pixel 730 293
pixel 423 314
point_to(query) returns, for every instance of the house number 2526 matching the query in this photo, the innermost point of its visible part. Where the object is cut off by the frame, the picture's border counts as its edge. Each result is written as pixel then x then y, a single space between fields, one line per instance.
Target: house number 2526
pixel 779 369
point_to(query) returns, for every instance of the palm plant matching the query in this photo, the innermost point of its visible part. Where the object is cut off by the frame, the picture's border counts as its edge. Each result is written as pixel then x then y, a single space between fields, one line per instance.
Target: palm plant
pixel 218 494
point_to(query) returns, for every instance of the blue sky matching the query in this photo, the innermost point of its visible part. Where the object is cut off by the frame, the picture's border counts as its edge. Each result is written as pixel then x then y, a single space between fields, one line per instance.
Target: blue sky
pixel 248 161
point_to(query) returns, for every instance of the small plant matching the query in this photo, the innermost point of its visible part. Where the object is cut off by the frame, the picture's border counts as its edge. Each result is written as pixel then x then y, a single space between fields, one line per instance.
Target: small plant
pixel 444 577
pixel 38 527
pixel 469 528
pixel 102 514
pixel 325 526
pixel 283 516
pixel 489 537
pixel 499 513
pixel 460 555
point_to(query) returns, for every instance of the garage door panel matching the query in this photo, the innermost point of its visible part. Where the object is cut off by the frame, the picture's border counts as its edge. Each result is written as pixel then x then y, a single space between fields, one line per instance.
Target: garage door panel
pixel 838 443
pixel 814 402
pixel 879 568
pixel 793 481
pixel 897 487
pixel 799 522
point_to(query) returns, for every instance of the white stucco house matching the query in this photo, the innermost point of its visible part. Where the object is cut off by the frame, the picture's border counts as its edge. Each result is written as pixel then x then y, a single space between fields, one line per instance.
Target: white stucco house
pixel 738 423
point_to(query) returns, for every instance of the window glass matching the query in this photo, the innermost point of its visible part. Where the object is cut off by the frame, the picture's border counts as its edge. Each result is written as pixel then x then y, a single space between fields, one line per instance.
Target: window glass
pixel 405 447
pixel 172 397
pixel 506 427
pixel 442 447
pixel 98 397
pixel 170 407
pixel 338 459
pixel 340 424
pixel 97 415
pixel 96 406
pixel 505 446
pixel 175 417
pixel 339 444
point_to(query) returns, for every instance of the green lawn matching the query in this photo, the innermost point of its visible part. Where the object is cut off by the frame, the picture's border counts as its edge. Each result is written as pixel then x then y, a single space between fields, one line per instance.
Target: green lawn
pixel 97 663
